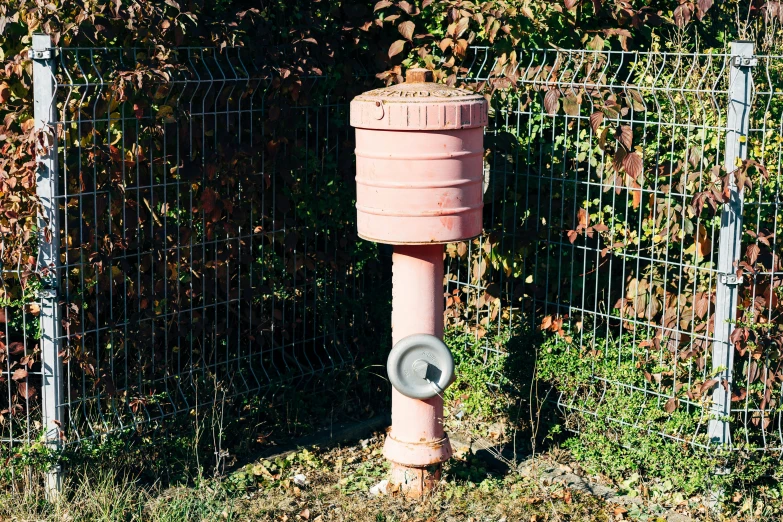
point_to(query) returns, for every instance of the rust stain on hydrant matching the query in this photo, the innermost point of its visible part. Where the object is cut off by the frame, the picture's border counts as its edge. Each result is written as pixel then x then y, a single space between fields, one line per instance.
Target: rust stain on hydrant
pixel 419 162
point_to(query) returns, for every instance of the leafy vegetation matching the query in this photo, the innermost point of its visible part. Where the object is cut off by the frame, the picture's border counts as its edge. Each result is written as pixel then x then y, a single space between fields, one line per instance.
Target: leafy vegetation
pixel 266 218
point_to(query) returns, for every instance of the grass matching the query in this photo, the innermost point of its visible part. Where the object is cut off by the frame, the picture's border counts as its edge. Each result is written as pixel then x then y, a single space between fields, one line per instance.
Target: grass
pixel 174 475
pixel 337 488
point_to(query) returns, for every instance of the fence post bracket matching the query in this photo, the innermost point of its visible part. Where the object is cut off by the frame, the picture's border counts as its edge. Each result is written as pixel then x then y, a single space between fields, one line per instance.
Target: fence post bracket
pixel 729 279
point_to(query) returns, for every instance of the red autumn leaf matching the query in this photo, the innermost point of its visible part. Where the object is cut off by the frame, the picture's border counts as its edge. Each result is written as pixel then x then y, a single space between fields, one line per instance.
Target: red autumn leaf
pixel 702 305
pixel 381 5
pixel 552 101
pixel 707 386
pixel 28 125
pixel 704 6
pixel 736 397
pixel 633 164
pixel 19 374
pixel 671 405
pixel 208 200
pixel 753 371
pixel 596 119
pixel 624 135
pixel 572 235
pixel 682 15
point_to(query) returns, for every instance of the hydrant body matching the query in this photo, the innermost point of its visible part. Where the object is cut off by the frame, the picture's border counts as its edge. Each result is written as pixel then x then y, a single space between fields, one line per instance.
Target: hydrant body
pixel 419 168
pixel 419 163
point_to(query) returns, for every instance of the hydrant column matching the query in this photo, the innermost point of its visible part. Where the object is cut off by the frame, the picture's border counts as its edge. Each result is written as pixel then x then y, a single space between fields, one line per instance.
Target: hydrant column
pixel 417 445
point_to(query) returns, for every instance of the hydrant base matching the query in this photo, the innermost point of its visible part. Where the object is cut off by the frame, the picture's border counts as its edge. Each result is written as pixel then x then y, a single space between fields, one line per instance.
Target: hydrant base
pixel 417 454
pixel 415 482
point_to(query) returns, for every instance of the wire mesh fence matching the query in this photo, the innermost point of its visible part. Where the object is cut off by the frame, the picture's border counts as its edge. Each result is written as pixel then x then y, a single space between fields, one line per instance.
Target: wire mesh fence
pixel 198 235
pixel 615 221
pixel 196 232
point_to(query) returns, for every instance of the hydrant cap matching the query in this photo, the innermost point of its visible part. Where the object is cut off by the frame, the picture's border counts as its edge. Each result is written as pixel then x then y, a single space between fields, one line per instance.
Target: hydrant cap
pixel 419 104
pixel 420 366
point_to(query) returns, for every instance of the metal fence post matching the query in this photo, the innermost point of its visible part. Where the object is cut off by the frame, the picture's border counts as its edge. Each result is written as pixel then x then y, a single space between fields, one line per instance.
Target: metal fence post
pixel 43 57
pixel 729 245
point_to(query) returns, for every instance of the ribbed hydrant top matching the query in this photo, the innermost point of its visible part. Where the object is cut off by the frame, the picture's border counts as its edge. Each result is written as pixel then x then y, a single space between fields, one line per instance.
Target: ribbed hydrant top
pixel 418 104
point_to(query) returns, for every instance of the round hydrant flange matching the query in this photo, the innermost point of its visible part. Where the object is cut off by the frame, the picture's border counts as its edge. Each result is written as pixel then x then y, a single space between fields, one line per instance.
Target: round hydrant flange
pixel 417 454
pixel 420 366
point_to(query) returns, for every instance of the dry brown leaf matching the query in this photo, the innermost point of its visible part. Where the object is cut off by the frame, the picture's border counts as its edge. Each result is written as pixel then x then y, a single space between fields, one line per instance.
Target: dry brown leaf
pixel 752 252
pixel 396 48
pixel 703 243
pixel 461 48
pixel 546 322
pixel 5 92
pixel 637 198
pixel 406 29
pixel 445 44
pixel 582 217
pixel 25 391
pixel 28 125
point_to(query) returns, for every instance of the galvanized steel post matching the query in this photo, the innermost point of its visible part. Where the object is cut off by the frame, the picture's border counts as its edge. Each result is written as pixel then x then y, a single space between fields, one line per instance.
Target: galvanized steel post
pixel 45 111
pixel 729 246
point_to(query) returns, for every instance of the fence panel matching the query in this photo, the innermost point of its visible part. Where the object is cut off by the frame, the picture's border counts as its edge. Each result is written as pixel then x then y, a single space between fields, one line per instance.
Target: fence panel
pixel 606 181
pixel 206 241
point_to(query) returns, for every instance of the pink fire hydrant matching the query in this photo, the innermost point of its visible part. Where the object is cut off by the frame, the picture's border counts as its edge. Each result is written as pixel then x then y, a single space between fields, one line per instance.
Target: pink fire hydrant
pixel 419 166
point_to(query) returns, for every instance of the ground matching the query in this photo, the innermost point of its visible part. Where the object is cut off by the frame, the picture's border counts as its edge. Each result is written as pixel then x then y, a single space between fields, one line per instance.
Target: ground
pixel 340 484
